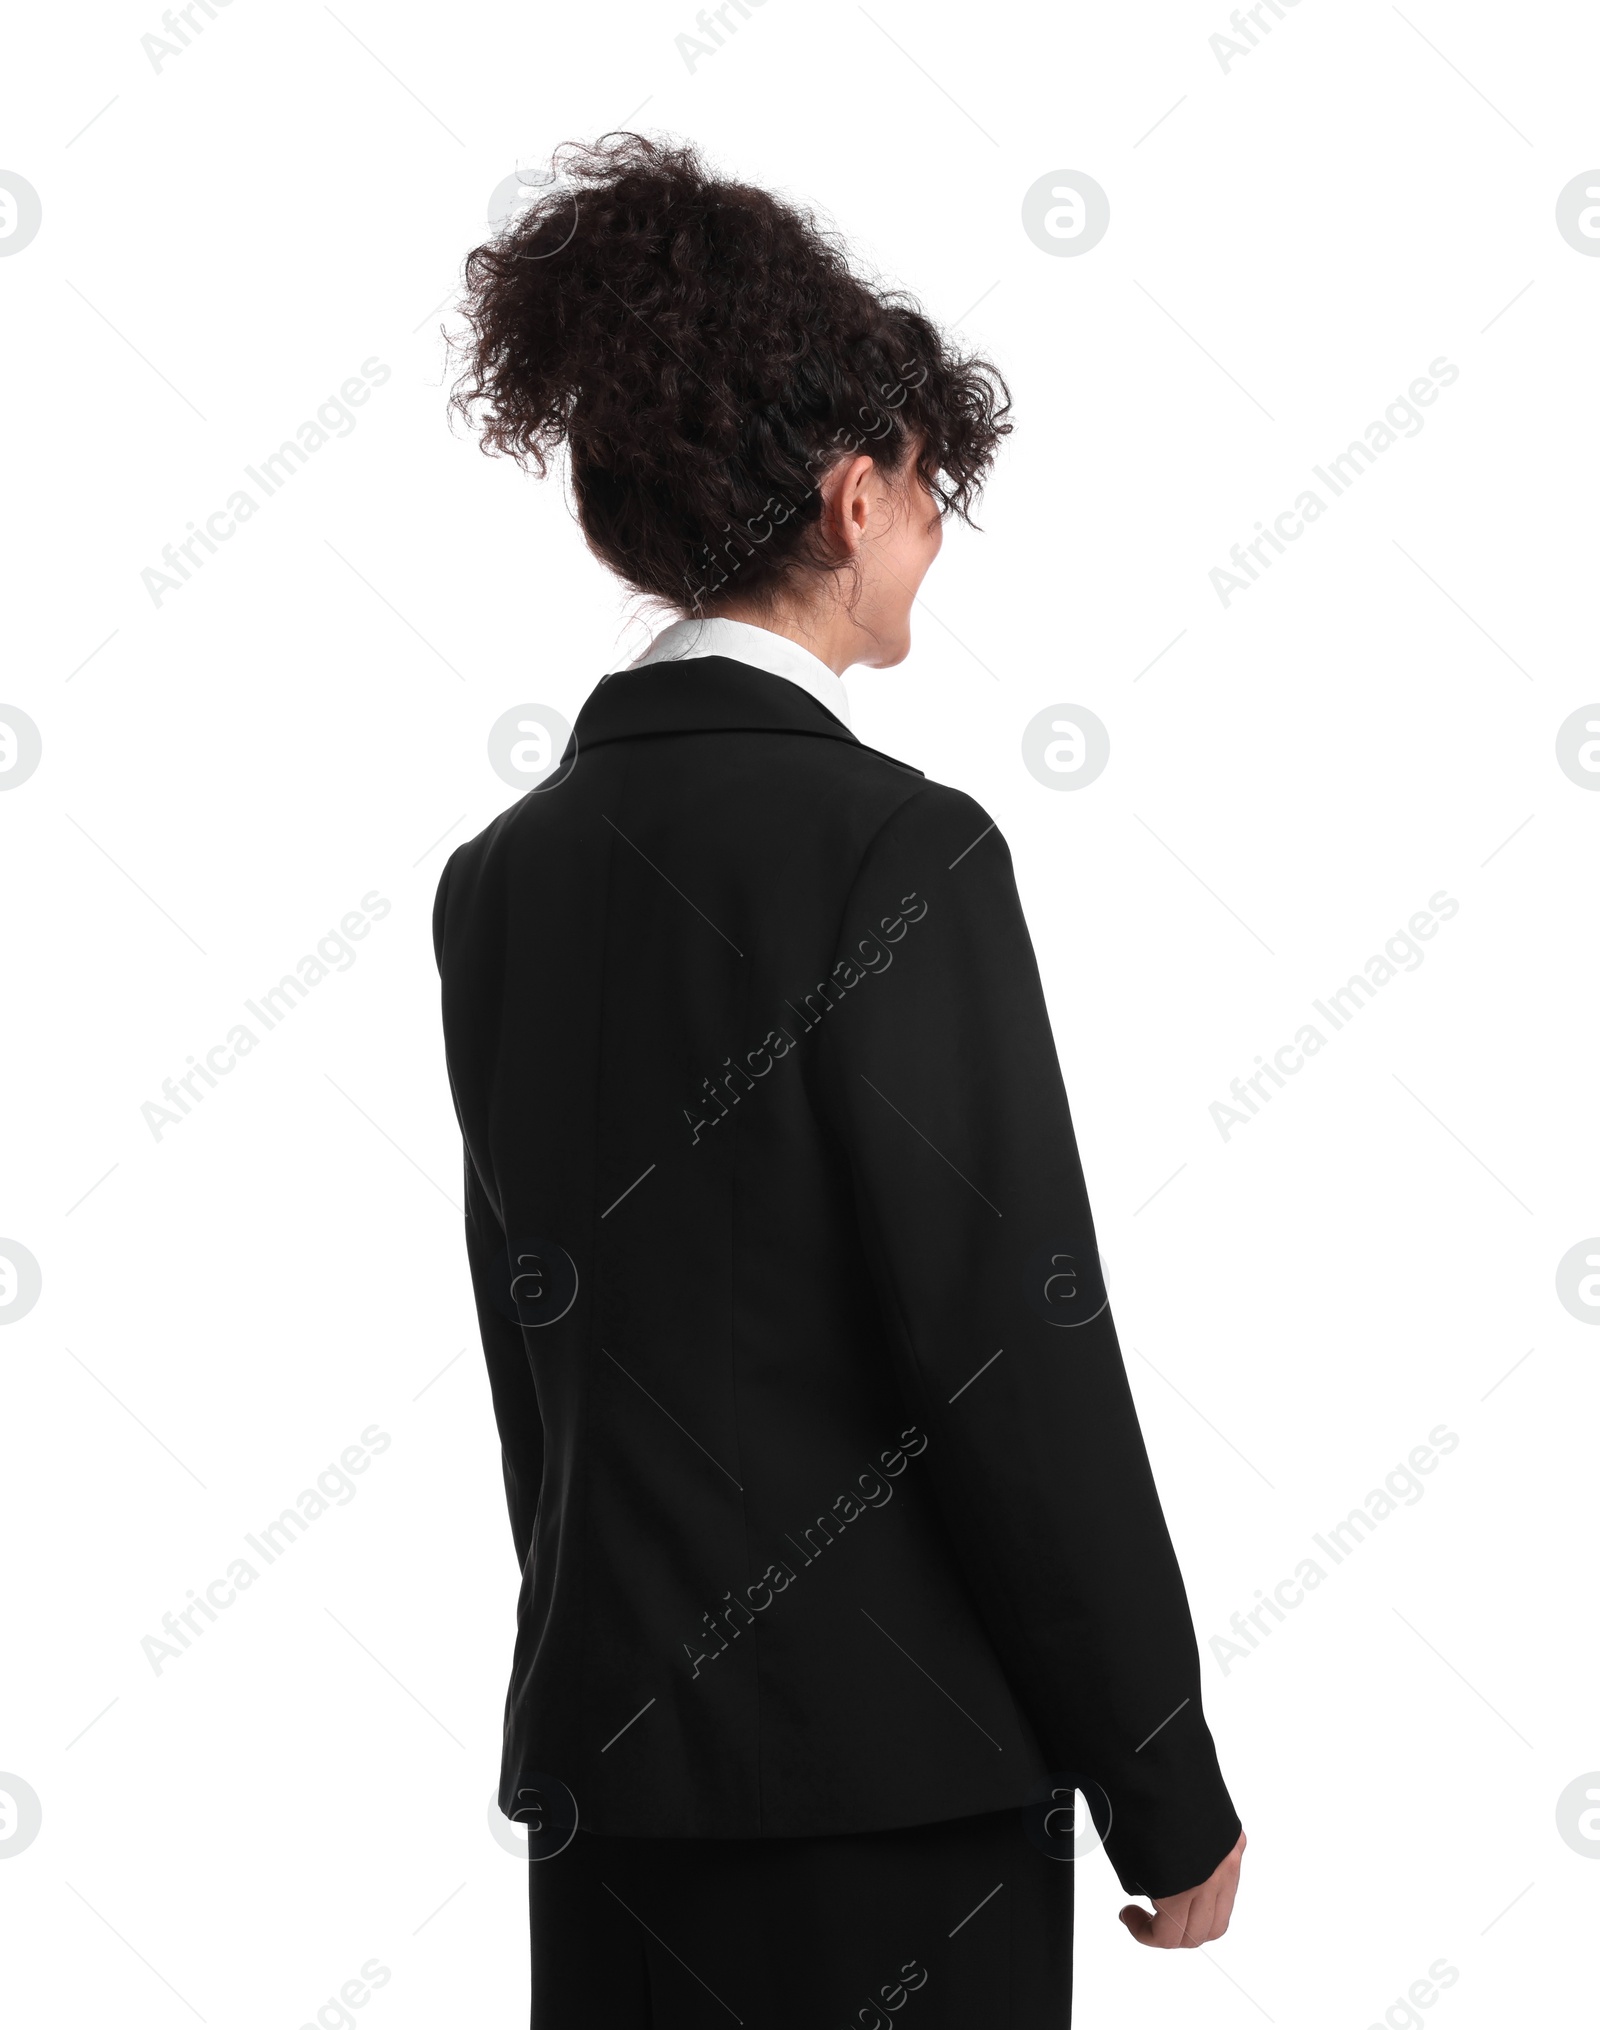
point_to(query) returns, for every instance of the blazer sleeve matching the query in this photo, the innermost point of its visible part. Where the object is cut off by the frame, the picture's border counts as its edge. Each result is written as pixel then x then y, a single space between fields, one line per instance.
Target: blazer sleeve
pixel 941 1071
pixel 511 1385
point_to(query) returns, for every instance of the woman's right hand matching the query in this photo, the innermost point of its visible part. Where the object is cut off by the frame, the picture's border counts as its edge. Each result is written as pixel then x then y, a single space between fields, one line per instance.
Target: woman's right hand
pixel 1194 1916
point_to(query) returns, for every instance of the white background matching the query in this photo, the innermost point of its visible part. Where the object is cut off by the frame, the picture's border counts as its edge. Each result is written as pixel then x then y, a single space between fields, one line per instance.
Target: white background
pixel 1292 775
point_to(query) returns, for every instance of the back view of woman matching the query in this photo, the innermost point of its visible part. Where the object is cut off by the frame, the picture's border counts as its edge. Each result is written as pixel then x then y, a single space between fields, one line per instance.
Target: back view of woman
pixel 842 1565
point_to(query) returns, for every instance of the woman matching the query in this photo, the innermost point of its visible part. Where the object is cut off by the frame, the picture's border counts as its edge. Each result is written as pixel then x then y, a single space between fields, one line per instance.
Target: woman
pixel 842 1567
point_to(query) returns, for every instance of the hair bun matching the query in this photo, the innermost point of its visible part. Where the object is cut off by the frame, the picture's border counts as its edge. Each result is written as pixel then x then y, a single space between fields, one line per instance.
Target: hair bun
pixel 704 351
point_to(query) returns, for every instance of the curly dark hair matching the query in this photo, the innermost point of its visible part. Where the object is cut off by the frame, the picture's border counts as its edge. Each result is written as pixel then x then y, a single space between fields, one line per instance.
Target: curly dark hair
pixel 706 352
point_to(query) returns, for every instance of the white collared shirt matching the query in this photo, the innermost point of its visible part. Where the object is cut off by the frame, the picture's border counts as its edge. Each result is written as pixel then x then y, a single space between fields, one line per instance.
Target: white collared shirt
pixel 743 642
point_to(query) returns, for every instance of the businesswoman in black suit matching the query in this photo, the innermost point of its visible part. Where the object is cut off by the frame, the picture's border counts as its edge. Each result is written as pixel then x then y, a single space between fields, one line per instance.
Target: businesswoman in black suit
pixel 842 1565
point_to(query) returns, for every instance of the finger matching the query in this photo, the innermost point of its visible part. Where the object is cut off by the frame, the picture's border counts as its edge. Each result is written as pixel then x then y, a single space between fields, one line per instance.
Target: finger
pixel 1226 1880
pixel 1197 1918
pixel 1157 1928
pixel 1227 1889
pixel 1170 1923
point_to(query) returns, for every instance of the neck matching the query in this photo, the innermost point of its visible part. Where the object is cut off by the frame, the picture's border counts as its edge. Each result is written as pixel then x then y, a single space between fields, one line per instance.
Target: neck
pixel 824 627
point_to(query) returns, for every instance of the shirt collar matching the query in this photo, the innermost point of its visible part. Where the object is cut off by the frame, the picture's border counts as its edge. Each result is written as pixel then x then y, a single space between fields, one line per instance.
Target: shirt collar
pixel 742 642
pixel 701 694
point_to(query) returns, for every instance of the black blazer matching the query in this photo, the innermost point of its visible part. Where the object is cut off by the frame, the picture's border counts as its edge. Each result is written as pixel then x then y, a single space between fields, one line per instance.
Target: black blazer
pixel 827 1487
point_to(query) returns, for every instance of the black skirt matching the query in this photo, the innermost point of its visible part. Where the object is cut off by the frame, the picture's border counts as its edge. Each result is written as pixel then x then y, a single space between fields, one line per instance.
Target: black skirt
pixel 935 1927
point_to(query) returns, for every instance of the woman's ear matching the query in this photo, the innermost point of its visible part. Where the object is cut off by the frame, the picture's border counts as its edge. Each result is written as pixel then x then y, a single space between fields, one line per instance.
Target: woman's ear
pixel 848 501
